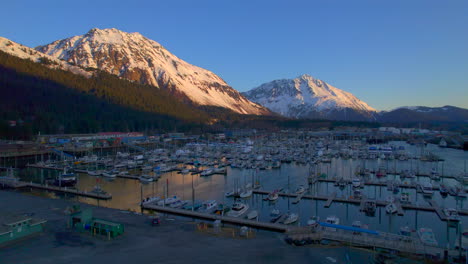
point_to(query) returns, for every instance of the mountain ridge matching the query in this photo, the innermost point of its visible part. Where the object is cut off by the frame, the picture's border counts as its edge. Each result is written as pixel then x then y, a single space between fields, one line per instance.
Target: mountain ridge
pixel 135 57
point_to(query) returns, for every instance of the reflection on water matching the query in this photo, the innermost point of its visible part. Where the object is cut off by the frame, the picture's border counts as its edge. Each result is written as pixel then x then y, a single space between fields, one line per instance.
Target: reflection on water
pixel 127 193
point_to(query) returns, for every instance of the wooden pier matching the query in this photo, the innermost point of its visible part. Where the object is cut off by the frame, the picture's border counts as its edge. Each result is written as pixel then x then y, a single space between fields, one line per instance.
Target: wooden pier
pixel 16 184
pixel 330 200
pixel 214 217
pixel 438 210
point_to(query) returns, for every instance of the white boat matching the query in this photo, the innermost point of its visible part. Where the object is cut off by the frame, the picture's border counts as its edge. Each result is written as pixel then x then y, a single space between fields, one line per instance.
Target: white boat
pixel 252 215
pixel 427 189
pixel 246 193
pixel 168 201
pixel 109 174
pixel 209 205
pixel 391 208
pixel 273 196
pixel 356 182
pixel 238 209
pixel 427 237
pixel 332 220
pixel 147 168
pixel 452 214
pixel 122 173
pixel 184 171
pixel 313 221
pixel 94 173
pixel 232 193
pixel 149 200
pixel 146 178
pixel 290 219
pixel 300 190
pixel 207 172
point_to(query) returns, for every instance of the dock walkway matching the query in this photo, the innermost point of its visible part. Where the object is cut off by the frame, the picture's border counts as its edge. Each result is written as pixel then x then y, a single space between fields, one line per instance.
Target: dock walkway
pixel 225 219
pixel 21 184
pixel 388 241
pixel 332 198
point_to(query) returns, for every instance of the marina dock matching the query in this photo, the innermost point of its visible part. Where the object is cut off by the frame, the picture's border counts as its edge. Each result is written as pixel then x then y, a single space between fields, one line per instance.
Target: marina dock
pixel 128 176
pixel 332 198
pixel 21 184
pixel 438 210
pixel 395 243
pixel 214 217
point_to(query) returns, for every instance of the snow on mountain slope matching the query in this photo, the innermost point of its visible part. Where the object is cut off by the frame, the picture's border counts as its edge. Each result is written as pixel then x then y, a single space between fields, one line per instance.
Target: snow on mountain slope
pixel 307 97
pixel 134 57
pixel 24 52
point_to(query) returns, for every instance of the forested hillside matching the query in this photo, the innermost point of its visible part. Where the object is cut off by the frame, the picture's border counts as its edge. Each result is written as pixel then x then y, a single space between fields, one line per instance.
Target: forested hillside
pixel 56 101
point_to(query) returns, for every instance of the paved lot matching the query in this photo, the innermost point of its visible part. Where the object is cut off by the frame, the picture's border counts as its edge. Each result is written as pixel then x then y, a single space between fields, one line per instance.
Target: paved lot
pixel 174 241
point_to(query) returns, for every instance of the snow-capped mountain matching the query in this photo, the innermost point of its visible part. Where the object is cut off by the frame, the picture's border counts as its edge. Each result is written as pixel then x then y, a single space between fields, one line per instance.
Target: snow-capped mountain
pixel 307 97
pixel 135 57
pixel 24 52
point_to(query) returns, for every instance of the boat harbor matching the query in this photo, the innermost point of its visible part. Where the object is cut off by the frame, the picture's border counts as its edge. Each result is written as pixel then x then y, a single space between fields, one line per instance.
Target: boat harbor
pixel 277 183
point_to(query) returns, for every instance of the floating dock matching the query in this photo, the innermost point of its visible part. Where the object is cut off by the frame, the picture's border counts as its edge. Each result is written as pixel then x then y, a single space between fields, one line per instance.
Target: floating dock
pixel 214 217
pixel 332 198
pixel 21 184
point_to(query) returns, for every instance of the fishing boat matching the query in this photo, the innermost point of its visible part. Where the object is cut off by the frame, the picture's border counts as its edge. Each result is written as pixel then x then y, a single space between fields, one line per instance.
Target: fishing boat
pixel 238 209
pixel 452 214
pixel 427 237
pixel 252 215
pixel 65 179
pixel 332 220
pixel 391 208
pixel 313 221
pixel 290 219
pixel 426 189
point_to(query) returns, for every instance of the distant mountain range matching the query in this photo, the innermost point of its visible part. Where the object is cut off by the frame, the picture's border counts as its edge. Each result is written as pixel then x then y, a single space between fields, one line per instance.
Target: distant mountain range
pixel 423 114
pixel 167 85
pixel 307 97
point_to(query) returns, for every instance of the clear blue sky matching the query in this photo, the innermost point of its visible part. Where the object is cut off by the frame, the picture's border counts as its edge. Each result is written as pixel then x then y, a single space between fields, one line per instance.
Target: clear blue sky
pixel 388 53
